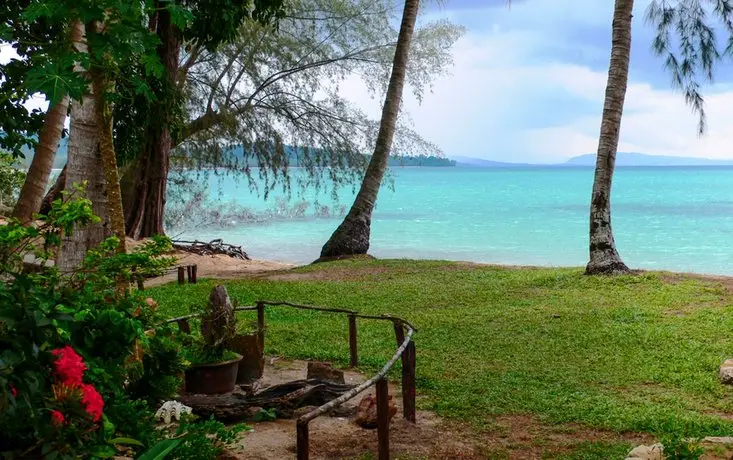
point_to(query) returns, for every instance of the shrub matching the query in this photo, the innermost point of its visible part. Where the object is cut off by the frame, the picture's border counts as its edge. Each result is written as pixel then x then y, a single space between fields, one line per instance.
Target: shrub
pixel 81 362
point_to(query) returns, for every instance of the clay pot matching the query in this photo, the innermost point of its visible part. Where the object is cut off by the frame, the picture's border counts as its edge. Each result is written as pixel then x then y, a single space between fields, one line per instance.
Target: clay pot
pixel 252 349
pixel 212 378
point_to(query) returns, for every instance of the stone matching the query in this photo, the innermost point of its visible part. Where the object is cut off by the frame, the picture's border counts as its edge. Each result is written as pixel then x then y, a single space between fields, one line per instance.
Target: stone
pixel 726 372
pixel 653 452
pixel 366 411
pixel 324 371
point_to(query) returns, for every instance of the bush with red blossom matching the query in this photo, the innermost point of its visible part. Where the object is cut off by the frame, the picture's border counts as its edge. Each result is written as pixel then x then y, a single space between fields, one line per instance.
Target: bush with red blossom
pixel 77 371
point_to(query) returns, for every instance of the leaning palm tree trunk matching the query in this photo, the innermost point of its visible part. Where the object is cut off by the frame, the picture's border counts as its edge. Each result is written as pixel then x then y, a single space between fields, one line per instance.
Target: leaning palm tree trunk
pixel 604 258
pixel 352 236
pixel 34 187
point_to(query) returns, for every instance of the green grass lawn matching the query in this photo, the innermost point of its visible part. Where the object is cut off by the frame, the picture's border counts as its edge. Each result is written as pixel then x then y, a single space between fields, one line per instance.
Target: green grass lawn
pixel 627 354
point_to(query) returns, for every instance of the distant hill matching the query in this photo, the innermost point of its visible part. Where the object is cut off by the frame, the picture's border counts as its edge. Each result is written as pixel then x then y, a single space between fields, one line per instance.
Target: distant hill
pixel 395 161
pixel 295 158
pixel 469 161
pixel 589 160
pixel 641 159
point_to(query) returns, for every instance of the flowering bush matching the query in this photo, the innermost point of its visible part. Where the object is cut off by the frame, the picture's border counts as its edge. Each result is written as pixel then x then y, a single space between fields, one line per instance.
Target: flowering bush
pixel 78 373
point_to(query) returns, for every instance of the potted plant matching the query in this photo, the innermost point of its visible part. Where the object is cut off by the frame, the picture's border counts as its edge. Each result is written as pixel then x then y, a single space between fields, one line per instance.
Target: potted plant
pixel 213 366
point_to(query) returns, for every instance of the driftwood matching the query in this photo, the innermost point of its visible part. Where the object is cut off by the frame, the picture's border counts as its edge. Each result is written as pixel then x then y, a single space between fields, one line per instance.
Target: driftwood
pixel 216 246
pixel 283 398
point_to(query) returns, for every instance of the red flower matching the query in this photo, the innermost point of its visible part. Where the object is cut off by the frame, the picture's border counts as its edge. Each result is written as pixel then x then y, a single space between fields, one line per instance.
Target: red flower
pixel 69 365
pixel 13 391
pixel 92 401
pixel 57 418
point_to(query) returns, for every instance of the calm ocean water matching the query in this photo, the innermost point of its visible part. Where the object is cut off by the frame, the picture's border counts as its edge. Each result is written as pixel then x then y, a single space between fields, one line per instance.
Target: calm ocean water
pixel 673 218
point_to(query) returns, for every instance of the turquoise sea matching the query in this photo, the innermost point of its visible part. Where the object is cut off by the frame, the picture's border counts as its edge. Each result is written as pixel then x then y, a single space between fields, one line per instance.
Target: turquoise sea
pixel 671 218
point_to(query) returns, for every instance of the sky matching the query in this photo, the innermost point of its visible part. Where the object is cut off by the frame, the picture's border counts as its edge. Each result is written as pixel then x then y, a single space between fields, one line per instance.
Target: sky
pixel 529 81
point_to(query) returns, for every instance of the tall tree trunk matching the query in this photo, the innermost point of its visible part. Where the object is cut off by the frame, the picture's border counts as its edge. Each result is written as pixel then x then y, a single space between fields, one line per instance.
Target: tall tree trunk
pixel 84 164
pixel 34 187
pixel 352 236
pixel 101 87
pixel 604 258
pixel 145 208
pixel 33 191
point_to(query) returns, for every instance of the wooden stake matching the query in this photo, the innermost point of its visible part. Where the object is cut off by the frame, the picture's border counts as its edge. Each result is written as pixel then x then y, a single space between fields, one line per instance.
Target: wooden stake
pixel 353 347
pixel 383 418
pixel 302 441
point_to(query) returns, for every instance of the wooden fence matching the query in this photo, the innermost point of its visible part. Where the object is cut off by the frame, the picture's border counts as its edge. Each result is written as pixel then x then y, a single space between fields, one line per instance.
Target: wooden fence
pixel 405 352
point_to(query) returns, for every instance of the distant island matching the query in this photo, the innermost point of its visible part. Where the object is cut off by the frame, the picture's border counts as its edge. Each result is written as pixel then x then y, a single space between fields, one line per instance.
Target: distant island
pixel 623 159
pixel 589 160
pixel 293 158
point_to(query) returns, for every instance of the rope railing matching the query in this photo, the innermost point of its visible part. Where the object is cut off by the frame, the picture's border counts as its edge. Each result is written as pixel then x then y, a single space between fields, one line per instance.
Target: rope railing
pixel 405 351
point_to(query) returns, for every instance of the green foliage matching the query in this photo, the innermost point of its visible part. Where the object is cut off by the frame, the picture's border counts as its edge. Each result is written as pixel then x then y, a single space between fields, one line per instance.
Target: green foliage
pixel 687 40
pixel 204 440
pixel 266 415
pixel 679 448
pixel 627 354
pixel 43 310
pixel 11 180
pixel 287 91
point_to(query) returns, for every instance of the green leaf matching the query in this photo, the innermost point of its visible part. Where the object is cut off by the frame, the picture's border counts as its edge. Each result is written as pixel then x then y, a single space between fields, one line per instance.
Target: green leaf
pixel 160 450
pixel 127 441
pixel 103 451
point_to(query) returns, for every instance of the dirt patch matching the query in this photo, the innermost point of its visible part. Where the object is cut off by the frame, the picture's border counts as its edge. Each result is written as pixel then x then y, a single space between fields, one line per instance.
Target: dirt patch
pixel 349 272
pixel 525 437
pixel 510 436
pixel 676 278
pixel 218 266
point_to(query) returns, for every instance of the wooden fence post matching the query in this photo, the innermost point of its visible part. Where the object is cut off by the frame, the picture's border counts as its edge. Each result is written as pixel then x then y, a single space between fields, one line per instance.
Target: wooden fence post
pixel 194 270
pixel 302 441
pixel 408 383
pixel 184 326
pixel 189 272
pixel 181 275
pixel 383 418
pixel 353 345
pixel 261 318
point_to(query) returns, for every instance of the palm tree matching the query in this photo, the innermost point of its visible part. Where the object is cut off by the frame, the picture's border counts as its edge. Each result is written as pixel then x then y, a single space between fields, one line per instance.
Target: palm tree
pixel 604 258
pixel 352 236
pixel 34 187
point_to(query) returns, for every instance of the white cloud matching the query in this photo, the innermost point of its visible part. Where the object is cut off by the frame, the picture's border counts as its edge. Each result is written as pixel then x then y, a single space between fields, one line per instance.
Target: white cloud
pixel 496 97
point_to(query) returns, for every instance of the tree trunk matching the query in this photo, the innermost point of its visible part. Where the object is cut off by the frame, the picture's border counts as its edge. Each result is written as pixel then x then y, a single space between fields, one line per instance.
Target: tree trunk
pixel 32 193
pixel 84 164
pixel 101 87
pixel 604 258
pixel 144 213
pixel 352 236
pixel 34 187
pixel 54 193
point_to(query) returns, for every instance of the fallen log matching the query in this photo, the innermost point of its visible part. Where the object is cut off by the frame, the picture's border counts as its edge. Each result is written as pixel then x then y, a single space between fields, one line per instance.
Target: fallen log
pixel 216 246
pixel 284 398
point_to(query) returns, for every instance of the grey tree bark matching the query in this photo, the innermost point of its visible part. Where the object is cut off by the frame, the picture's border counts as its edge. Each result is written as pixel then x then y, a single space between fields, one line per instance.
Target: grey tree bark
pixel 84 164
pixel 604 258
pixel 352 236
